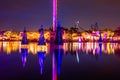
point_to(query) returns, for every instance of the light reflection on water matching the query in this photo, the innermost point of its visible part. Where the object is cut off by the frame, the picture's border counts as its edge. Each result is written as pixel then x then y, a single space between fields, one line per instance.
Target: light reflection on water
pixel 33 48
pixel 57 52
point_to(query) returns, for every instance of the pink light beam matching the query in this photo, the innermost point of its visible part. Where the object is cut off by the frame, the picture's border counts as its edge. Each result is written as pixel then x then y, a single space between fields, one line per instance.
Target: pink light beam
pixel 54 15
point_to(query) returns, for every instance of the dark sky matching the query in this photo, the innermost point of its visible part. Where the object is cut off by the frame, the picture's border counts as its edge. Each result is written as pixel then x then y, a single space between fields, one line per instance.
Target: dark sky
pixel 15 14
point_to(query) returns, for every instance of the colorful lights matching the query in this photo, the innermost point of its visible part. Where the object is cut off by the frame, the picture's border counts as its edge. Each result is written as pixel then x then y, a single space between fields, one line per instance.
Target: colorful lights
pixel 107 36
pixel 33 48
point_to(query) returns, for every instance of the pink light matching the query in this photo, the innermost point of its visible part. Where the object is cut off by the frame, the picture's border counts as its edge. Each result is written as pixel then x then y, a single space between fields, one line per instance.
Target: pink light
pixel 54 14
pixel 79 39
pixel 54 71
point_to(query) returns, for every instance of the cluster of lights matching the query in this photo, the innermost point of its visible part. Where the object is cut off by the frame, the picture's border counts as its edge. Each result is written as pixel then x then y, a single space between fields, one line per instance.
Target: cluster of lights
pixel 67 35
pixel 33 48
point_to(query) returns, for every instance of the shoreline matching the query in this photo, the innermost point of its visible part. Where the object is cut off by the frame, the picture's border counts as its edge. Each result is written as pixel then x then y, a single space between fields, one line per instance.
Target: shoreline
pixel 65 41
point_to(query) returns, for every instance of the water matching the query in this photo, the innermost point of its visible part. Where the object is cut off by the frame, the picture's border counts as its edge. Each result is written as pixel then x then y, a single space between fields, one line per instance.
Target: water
pixel 72 61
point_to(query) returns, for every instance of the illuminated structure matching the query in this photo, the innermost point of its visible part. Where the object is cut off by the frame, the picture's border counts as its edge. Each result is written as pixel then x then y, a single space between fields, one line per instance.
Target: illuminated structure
pixel 54 14
pixel 67 35
pixel 41 38
pixel 100 38
pixel 59 40
pixel 24 37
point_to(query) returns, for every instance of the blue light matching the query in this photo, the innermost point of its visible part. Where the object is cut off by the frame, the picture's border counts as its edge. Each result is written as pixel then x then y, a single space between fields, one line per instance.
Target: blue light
pixel 100 46
pixel 41 56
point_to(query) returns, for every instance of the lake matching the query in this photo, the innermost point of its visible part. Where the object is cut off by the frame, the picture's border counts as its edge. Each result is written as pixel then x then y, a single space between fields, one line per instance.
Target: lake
pixel 70 61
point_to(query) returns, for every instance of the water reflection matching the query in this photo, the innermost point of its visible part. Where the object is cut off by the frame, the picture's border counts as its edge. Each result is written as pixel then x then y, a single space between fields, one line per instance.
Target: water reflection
pixel 9 47
pixel 24 54
pixel 41 51
pixel 100 47
pixel 41 57
pixel 57 52
pixel 77 57
pixel 57 61
pixel 88 48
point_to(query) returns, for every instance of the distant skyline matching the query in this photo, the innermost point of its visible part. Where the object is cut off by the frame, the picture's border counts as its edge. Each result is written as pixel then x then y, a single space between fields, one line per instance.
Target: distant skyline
pixel 15 14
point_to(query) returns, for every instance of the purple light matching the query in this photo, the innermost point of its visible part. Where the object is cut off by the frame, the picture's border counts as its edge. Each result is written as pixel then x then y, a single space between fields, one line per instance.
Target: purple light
pixel 54 71
pixel 54 14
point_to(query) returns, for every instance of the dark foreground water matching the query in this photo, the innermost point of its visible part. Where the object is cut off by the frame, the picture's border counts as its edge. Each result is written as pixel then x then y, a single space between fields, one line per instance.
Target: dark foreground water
pixel 72 61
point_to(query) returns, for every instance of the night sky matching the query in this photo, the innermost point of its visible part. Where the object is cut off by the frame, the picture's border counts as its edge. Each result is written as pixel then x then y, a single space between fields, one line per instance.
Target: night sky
pixel 15 14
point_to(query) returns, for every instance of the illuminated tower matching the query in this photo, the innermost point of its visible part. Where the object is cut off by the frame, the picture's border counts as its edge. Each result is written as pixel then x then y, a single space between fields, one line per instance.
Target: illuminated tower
pixel 100 38
pixel 41 38
pixel 24 37
pixel 54 14
pixel 58 39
